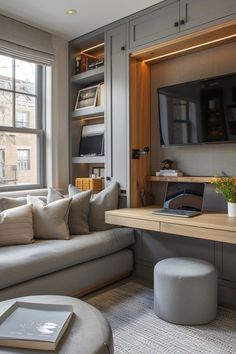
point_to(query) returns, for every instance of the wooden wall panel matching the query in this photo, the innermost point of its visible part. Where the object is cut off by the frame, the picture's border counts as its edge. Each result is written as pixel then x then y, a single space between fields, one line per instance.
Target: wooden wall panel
pixel 140 129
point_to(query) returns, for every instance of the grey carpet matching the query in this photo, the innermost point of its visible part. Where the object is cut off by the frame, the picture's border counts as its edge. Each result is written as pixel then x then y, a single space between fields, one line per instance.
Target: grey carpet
pixel 137 330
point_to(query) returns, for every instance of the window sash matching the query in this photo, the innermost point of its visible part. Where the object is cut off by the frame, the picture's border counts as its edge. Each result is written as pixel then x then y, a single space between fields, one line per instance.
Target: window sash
pixel 38 131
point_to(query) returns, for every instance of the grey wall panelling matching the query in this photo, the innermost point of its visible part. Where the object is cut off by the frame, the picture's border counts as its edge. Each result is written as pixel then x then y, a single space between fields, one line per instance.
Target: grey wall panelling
pixel 170 19
pixel 196 13
pixel 151 247
pixel 162 22
pixel 116 105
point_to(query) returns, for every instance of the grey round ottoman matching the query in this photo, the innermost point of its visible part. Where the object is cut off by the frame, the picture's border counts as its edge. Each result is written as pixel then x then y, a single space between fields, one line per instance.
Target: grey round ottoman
pixel 88 333
pixel 185 291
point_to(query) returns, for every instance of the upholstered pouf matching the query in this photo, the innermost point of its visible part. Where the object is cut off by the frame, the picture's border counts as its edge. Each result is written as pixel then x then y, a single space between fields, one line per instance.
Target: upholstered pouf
pixel 88 333
pixel 185 291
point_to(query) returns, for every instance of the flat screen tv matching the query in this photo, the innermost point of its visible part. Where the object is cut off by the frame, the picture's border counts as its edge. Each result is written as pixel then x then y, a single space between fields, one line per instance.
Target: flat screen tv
pixel 198 112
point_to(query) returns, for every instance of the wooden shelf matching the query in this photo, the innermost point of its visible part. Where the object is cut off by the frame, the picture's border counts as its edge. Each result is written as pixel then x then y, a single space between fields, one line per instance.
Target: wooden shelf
pixel 88 159
pixel 89 77
pixel 88 112
pixel 195 179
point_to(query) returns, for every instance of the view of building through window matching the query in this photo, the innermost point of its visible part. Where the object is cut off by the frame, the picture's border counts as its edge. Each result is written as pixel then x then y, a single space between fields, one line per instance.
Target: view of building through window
pixel 19 122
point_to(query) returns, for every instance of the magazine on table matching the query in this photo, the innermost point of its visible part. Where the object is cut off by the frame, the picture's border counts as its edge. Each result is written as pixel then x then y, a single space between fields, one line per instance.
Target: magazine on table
pixel 34 325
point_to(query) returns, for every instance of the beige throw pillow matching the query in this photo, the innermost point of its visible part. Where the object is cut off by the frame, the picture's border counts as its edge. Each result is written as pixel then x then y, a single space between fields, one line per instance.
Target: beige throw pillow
pixel 16 226
pixel 50 220
pixel 79 209
pixel 8 202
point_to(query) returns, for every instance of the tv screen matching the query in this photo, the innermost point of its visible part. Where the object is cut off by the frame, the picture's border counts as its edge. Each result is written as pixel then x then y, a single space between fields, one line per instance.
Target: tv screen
pixel 197 112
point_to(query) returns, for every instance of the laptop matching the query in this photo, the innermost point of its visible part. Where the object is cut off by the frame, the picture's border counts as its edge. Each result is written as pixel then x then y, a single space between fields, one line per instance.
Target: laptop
pixel 182 199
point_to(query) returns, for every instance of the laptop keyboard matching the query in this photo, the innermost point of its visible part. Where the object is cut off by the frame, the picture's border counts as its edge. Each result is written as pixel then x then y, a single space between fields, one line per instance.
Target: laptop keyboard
pixel 175 212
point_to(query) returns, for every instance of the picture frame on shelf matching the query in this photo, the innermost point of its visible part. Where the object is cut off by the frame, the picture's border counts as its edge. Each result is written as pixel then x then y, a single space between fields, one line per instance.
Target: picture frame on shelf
pixel 98 172
pixel 87 97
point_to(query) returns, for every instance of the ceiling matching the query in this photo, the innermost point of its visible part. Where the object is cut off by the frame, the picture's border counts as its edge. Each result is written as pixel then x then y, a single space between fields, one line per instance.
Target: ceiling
pixel 51 14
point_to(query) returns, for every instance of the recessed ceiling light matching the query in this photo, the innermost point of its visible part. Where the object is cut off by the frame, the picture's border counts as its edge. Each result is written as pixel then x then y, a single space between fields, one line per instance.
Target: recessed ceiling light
pixel 71 12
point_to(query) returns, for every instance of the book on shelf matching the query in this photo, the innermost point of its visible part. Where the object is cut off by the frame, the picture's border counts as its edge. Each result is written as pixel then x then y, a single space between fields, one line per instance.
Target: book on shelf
pixel 101 95
pixel 34 325
pixel 85 62
pixel 169 173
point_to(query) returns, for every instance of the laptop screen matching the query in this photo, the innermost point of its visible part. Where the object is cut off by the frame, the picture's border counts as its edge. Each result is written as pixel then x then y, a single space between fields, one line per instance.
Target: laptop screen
pixel 184 196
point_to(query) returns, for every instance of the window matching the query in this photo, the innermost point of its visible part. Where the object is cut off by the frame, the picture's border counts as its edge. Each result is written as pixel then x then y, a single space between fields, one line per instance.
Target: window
pixel 21 122
pixel 23 159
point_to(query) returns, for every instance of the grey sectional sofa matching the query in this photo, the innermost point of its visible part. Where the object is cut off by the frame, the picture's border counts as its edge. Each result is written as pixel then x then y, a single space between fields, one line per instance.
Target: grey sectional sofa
pixel 66 267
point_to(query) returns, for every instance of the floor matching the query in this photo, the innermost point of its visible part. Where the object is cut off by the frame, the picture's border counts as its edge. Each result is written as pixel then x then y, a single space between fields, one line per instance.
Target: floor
pixel 128 307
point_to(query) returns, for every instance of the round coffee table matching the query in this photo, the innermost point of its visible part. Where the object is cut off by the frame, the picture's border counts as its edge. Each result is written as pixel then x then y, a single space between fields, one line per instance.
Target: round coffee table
pixel 88 333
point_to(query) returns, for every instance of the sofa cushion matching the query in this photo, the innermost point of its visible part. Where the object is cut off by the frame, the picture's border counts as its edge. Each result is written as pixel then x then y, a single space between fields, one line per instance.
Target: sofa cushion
pixel 16 226
pixel 106 200
pixel 79 209
pixel 44 257
pixel 8 203
pixel 78 214
pixel 50 220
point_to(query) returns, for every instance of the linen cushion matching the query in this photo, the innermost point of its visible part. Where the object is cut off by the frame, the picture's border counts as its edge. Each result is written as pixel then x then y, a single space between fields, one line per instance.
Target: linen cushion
pixel 53 195
pixel 8 202
pixel 106 200
pixel 16 226
pixel 48 256
pixel 79 209
pixel 72 190
pixel 50 220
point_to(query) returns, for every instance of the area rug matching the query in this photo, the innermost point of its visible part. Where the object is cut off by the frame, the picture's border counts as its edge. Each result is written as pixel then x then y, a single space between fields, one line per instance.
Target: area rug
pixel 137 330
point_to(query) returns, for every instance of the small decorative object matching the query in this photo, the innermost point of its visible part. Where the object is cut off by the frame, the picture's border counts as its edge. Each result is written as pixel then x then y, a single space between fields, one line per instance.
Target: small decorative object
pixel 169 173
pixel 98 172
pixel 166 165
pixel 84 184
pixel 227 186
pixel 87 97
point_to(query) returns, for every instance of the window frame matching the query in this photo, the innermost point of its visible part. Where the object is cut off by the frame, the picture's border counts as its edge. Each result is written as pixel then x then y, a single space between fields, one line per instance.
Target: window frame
pixel 38 131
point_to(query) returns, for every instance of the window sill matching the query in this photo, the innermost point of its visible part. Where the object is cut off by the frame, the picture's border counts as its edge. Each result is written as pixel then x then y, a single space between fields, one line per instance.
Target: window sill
pixel 23 193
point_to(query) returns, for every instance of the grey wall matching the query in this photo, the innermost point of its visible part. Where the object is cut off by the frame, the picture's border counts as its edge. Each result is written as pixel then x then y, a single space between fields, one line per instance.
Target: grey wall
pixel 59 139
pixel 193 160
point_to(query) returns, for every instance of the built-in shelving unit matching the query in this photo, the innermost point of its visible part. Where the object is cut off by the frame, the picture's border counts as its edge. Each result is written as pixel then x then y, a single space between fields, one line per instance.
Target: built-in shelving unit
pixel 196 179
pixel 88 51
pixel 89 112
pixel 88 159
pixel 89 77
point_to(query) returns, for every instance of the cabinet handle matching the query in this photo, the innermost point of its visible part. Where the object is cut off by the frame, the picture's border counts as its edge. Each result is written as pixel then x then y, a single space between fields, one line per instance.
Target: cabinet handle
pixel 182 22
pixel 186 12
pixel 108 178
pixel 176 24
pixel 123 47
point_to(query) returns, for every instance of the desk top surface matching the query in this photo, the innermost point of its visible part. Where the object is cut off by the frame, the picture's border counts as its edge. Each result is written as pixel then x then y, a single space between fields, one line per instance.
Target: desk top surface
pixel 210 220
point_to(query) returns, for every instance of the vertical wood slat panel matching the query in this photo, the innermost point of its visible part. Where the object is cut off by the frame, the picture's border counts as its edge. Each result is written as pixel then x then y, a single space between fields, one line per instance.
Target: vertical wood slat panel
pixel 140 129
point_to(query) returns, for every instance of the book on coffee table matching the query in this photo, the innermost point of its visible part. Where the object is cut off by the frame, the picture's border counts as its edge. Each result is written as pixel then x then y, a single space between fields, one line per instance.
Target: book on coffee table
pixel 34 325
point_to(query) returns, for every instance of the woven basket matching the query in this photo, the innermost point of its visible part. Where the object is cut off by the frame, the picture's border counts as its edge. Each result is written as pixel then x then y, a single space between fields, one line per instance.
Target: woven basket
pixel 84 184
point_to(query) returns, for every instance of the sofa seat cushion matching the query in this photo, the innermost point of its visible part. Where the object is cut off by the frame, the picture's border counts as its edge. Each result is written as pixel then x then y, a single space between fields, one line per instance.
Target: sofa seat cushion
pixel 25 262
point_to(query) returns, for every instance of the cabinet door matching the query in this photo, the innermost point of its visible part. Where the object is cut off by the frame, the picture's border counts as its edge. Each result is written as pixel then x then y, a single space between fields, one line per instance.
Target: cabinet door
pixel 116 106
pixel 196 13
pixel 162 22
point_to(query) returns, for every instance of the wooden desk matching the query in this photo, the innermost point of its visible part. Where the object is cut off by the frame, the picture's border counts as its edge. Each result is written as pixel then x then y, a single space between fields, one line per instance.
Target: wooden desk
pixel 209 226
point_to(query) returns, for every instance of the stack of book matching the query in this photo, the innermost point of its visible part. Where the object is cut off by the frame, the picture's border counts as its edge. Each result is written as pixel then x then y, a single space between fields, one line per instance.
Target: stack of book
pixel 85 62
pixel 169 173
